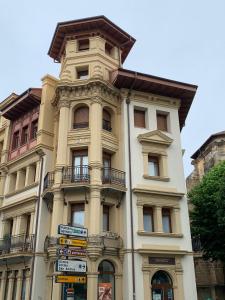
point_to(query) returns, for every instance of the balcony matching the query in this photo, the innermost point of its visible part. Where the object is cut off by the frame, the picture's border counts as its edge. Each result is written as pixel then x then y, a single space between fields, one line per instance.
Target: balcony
pixel 76 174
pixel 17 244
pixel 49 180
pixel 112 176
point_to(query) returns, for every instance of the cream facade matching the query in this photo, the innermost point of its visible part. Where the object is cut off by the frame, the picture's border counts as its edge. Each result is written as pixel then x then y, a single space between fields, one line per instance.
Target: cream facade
pixel 93 168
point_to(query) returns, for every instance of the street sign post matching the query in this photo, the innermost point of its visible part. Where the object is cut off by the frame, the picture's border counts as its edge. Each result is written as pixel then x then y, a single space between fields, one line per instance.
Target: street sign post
pixel 72 231
pixel 70 279
pixel 73 242
pixel 63 265
pixel 72 252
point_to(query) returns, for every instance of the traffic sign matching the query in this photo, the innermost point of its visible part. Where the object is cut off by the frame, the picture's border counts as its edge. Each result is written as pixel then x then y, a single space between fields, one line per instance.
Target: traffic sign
pixel 72 252
pixel 73 242
pixel 63 265
pixel 72 230
pixel 70 279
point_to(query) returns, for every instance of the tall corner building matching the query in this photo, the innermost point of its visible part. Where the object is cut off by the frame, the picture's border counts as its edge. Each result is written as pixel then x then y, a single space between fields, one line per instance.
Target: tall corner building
pixel 100 148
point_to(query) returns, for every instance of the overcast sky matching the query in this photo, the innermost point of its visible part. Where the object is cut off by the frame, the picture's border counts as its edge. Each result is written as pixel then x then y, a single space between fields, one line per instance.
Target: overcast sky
pixel 176 39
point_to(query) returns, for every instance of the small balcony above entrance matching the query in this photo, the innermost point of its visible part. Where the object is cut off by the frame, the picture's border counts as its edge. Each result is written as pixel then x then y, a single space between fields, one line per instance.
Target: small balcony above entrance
pixel 76 174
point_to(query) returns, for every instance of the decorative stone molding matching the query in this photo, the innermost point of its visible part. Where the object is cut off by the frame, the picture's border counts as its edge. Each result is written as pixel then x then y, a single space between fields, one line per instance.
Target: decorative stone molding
pixel 155 137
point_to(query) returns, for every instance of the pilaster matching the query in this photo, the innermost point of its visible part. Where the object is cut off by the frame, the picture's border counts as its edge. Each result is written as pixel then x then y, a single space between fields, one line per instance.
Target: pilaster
pixel 27 294
pixel 158 219
pixel 19 284
pixel 10 286
pixel 3 283
pixel 57 213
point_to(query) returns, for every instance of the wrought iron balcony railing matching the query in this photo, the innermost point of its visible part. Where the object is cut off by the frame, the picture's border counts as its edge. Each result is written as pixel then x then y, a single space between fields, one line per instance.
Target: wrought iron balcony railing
pixel 113 176
pixel 77 174
pixel 17 243
pixel 106 125
pixel 80 125
pixel 49 180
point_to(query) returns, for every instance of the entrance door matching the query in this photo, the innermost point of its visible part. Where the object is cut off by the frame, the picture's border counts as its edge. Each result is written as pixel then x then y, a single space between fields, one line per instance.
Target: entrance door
pixel 162 286
pixel 80 291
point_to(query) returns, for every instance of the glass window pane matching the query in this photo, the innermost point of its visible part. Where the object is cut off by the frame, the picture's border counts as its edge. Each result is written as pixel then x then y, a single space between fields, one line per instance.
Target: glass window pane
pixel 153 166
pixel 148 222
pixel 166 223
pixel 78 218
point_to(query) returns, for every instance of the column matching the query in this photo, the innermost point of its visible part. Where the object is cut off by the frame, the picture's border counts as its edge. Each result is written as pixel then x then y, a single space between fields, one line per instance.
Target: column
pixel 158 219
pixel 10 286
pixel 14 230
pixel 56 289
pixel 32 228
pixel 37 174
pixel 3 283
pixel 140 218
pixel 164 167
pixel 2 182
pixel 57 213
pixel 176 227
pixel 20 225
pixel 118 287
pixel 95 161
pixel 19 284
pixel 4 156
pixel 147 287
pixel 95 211
pixel 27 294
pixel 20 179
pixel 92 285
pixel 61 159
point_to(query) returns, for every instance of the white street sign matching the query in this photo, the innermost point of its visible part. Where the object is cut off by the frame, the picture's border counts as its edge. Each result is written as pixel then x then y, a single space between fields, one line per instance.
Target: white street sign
pixel 72 230
pixel 63 265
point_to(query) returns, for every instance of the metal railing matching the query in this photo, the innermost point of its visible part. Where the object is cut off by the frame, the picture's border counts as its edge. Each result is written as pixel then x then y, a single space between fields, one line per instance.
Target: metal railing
pixel 49 180
pixel 113 176
pixel 80 125
pixel 76 174
pixel 106 125
pixel 17 243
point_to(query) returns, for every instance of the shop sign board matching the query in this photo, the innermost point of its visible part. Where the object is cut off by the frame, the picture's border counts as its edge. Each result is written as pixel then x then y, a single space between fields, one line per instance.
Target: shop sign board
pixel 162 260
pixel 105 291
pixel 73 242
pixel 63 265
pixel 72 252
pixel 70 279
pixel 72 231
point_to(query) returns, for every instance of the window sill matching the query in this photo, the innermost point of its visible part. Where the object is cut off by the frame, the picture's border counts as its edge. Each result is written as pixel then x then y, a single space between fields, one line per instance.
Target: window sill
pixel 158 178
pixel 160 234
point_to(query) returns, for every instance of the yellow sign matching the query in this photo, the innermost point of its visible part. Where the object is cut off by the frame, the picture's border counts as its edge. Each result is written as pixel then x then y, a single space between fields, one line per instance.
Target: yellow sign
pixel 70 279
pixel 71 242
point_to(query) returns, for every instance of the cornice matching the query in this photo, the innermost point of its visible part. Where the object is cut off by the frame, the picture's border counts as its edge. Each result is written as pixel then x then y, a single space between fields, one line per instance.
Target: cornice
pixel 89 88
pixel 155 137
pixel 157 192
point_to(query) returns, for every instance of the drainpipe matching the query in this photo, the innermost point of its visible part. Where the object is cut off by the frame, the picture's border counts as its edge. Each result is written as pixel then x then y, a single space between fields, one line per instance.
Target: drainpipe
pixel 41 154
pixel 130 187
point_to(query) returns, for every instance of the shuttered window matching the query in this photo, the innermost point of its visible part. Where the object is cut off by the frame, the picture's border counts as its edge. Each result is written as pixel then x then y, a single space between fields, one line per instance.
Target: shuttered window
pixel 162 122
pixel 81 117
pixel 139 118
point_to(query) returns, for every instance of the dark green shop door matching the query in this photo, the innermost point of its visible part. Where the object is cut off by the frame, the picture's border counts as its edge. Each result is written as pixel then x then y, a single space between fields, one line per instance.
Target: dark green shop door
pixel 80 291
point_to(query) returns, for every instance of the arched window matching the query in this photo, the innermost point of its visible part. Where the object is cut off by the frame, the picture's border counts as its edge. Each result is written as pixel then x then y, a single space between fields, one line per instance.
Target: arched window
pixel 162 286
pixel 106 281
pixel 81 117
pixel 106 120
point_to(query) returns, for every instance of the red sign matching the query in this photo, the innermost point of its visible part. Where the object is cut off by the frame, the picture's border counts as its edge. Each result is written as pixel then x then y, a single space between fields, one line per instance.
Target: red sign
pixel 105 291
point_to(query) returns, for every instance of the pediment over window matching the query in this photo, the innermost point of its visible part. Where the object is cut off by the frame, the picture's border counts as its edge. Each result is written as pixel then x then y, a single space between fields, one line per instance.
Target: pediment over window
pixel 155 137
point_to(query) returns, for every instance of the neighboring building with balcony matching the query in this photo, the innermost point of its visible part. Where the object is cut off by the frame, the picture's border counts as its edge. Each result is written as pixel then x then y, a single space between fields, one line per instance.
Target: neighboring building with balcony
pixel 210 276
pixel 109 141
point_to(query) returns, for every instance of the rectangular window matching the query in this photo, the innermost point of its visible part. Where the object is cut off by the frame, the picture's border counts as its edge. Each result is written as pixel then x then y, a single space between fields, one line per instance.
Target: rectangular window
pixel 77 214
pixel 148 219
pixel 105 218
pixel 80 165
pixel 83 45
pixel 24 136
pixel 108 49
pixel 82 73
pixel 153 166
pixel 139 118
pixel 162 122
pixel 15 141
pixel 166 220
pixel 34 129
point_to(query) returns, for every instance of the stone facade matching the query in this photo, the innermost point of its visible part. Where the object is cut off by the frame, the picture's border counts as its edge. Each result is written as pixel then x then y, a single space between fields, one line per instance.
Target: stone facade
pixel 210 276
pixel 93 168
